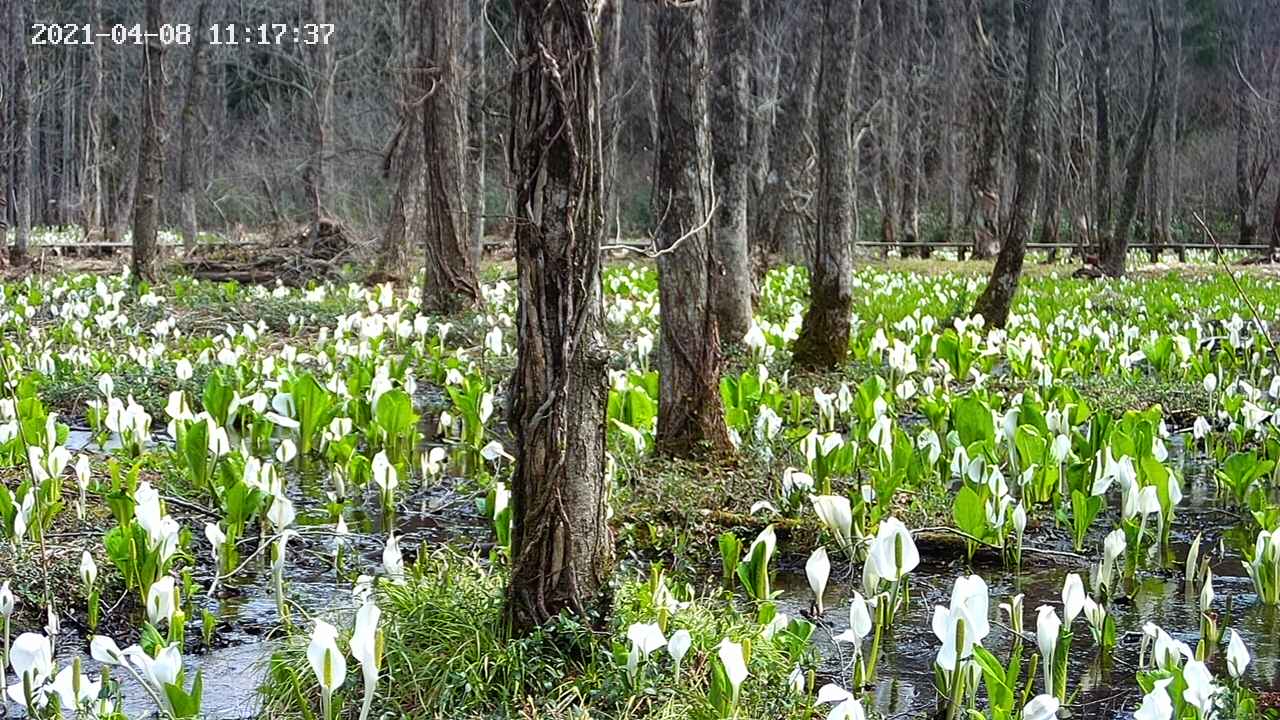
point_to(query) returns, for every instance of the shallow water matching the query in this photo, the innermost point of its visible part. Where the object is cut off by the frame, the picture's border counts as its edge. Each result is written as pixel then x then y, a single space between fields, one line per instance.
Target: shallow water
pixel 904 686
pixel 438 514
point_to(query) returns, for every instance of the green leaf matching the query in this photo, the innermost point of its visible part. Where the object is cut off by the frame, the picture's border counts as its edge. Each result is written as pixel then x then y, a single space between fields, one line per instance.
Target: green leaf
pixel 974 423
pixel 970 513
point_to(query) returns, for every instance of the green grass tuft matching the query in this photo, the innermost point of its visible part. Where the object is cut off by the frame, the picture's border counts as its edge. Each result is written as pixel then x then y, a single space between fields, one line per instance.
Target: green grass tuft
pixel 446 656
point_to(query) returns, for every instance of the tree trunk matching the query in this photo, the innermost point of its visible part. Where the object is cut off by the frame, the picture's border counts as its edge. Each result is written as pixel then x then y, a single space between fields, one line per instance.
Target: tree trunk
pixel 730 129
pixel 478 128
pixel 191 114
pixel 1242 105
pixel 1117 248
pixel 784 217
pixel 1275 225
pixel 824 335
pixel 690 410
pixel 766 31
pixel 91 189
pixel 1102 123
pixel 912 133
pixel 403 159
pixel 562 550
pixel 1058 166
pixel 982 218
pixel 450 279
pixel 887 49
pixel 20 173
pixel 612 100
pixel 951 19
pixel 146 201
pixel 315 176
pixel 1173 129
pixel 996 300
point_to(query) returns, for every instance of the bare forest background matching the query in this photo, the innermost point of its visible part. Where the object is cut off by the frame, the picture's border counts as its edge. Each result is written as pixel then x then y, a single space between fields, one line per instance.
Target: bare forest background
pixel 269 138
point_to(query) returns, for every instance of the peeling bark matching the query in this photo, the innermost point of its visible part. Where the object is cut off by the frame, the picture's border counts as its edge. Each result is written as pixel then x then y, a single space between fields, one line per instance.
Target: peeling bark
pixel 562 549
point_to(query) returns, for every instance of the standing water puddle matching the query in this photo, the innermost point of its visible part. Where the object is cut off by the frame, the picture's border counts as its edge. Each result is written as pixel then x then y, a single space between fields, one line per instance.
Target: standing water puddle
pixel 903 687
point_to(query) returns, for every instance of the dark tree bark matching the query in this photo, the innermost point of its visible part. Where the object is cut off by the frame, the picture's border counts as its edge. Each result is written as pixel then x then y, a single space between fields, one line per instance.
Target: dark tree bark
pixel 997 298
pixel 146 201
pixel 562 550
pixel 824 336
pixel 450 278
pixel 730 127
pixel 20 173
pixel 1102 122
pixel 191 121
pixel 1116 249
pixel 690 410
pixel 1275 225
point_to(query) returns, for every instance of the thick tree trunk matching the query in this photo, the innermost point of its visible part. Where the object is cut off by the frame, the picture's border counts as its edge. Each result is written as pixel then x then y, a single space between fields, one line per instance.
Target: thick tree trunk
pixel 450 279
pixel 785 217
pixel 1102 123
pixel 402 162
pixel 1116 249
pixel 690 410
pixel 730 130
pixel 997 298
pixel 20 173
pixel 824 336
pixel 562 550
pixel 191 114
pixel 146 201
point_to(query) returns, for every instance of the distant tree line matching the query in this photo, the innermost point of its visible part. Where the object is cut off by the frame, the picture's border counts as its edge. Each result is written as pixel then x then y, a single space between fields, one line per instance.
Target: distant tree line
pixel 267 137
